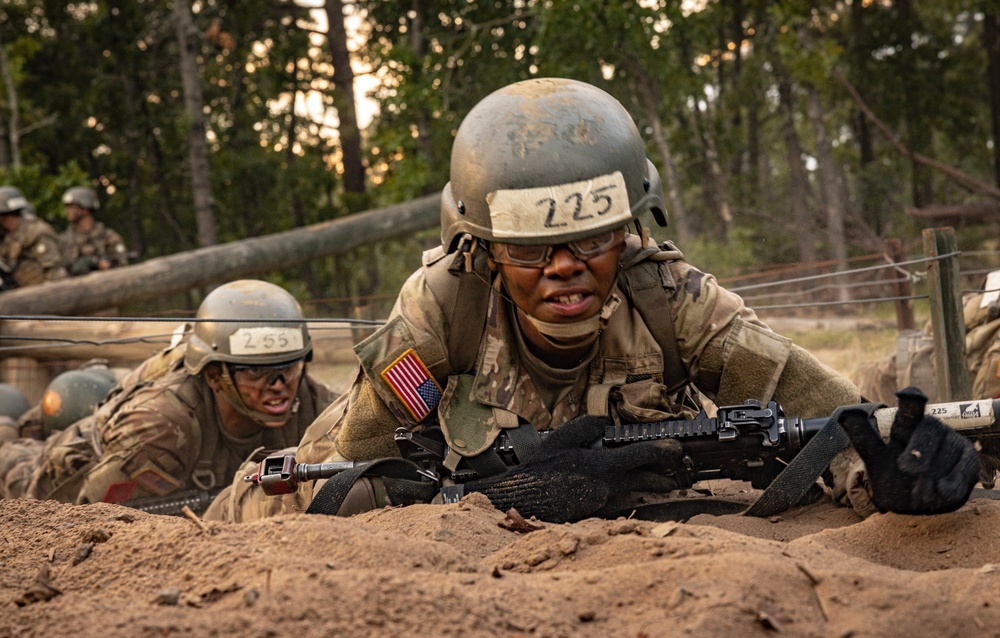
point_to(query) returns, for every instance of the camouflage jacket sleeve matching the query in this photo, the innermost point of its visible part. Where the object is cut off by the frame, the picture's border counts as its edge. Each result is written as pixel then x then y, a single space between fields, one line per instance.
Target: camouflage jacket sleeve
pixel 40 258
pixel 150 447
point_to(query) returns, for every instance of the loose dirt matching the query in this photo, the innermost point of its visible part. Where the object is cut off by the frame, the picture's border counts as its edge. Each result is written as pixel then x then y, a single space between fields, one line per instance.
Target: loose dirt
pixel 452 570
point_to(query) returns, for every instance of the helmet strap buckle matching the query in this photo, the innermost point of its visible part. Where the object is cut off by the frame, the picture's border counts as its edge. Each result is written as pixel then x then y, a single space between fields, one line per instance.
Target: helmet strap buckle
pixel 469 252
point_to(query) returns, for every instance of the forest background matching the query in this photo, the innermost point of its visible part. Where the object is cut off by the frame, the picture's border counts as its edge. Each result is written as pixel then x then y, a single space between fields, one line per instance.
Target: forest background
pixel 785 131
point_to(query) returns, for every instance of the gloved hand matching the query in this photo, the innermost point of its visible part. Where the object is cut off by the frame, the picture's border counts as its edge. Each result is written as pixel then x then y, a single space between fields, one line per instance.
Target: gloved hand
pixel 925 468
pixel 565 480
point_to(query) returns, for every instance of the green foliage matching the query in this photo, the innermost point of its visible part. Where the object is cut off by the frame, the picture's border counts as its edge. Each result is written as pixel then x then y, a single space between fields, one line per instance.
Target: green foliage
pixel 101 102
pixel 45 191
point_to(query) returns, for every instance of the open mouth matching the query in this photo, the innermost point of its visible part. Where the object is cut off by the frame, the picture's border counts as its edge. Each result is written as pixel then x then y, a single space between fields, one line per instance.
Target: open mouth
pixel 276 405
pixel 570 304
pixel 569 299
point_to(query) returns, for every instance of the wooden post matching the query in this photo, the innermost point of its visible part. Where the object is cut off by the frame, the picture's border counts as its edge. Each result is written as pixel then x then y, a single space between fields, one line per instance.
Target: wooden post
pixel 27 375
pixel 360 310
pixel 947 318
pixel 904 307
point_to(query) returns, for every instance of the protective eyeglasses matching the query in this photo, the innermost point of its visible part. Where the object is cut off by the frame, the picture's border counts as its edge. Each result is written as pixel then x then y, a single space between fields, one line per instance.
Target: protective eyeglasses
pixel 539 255
pixel 265 376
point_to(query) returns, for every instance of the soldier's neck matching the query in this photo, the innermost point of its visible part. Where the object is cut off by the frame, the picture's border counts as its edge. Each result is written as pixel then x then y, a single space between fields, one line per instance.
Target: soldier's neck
pixel 233 422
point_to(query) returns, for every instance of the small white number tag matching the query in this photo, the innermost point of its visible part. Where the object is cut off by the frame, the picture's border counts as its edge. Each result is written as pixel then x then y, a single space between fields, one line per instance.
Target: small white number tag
pixel 562 209
pixel 270 340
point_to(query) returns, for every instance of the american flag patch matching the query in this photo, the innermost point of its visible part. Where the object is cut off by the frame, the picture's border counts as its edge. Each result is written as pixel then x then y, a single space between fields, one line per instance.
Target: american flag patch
pixel 413 384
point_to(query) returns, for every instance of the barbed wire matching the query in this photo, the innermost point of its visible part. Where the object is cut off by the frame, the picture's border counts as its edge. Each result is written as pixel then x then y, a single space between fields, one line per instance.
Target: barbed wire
pixel 817 289
pixel 841 303
pixel 841 273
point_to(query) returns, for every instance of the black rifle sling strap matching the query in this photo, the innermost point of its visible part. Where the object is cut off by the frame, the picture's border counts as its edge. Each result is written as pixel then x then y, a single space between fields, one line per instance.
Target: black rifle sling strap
pixel 794 481
pixel 331 495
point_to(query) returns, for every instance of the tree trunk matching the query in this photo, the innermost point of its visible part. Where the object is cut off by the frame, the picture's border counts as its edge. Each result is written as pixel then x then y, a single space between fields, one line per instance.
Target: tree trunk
pixel 14 124
pixel 830 186
pixel 649 91
pixel 157 278
pixel 194 102
pixel 717 180
pixel 416 30
pixel 805 240
pixel 343 99
pixel 991 41
pixel 915 85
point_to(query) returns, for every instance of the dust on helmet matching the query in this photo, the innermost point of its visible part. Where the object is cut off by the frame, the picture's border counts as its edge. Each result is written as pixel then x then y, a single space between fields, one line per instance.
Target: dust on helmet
pixel 547 161
pixel 73 395
pixel 12 200
pixel 280 336
pixel 271 330
pixel 82 196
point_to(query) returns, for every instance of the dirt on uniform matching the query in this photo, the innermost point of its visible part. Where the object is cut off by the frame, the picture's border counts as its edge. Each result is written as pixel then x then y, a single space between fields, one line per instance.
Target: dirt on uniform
pixel 451 570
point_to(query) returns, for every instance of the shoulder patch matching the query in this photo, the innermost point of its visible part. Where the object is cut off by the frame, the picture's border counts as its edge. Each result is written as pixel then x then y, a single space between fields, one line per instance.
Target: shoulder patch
pixel 413 384
pixel 119 492
pixel 155 480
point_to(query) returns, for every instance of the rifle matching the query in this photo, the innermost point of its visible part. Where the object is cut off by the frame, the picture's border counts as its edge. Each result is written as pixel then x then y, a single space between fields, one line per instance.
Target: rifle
pixel 172 504
pixel 743 442
pixel 86 264
pixel 6 277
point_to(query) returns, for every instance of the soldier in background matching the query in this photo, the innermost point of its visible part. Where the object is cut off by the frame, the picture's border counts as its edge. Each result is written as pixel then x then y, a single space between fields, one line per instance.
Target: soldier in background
pixel 188 416
pixel 913 362
pixel 13 404
pixel 88 244
pixel 30 251
pixel 68 398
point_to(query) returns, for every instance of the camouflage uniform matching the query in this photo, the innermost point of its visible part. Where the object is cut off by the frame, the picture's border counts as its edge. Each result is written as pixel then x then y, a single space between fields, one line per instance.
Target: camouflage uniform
pixel 32 252
pixel 730 355
pixel 158 432
pixel 913 362
pixel 82 251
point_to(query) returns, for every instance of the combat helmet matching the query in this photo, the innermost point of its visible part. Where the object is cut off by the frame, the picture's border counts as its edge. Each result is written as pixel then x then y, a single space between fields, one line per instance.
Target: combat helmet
pixel 73 395
pixel 547 159
pixel 82 196
pixel 12 200
pixel 13 403
pixel 279 337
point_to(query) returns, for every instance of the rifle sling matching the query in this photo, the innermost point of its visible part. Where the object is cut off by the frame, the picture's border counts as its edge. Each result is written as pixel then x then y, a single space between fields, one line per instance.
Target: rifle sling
pixel 330 497
pixel 801 473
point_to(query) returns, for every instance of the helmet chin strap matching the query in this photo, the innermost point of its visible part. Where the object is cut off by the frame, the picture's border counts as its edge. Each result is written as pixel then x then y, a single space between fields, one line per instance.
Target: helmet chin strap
pixel 265 419
pixel 573 332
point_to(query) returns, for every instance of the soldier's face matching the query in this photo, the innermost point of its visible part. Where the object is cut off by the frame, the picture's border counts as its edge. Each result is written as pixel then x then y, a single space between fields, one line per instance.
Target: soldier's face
pixel 74 212
pixel 269 390
pixel 9 222
pixel 566 289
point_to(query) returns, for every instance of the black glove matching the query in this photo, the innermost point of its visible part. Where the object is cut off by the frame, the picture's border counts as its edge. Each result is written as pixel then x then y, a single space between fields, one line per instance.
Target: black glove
pixel 565 480
pixel 925 468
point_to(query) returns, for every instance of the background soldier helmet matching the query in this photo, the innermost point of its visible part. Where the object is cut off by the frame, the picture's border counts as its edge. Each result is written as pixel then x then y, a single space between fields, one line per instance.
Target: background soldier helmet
pixel 83 197
pixel 280 337
pixel 13 403
pixel 72 396
pixel 545 133
pixel 12 200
